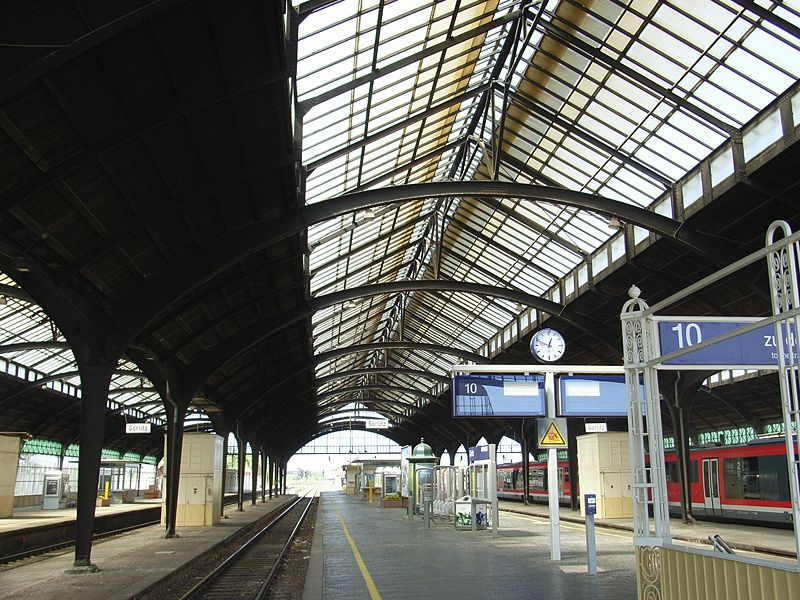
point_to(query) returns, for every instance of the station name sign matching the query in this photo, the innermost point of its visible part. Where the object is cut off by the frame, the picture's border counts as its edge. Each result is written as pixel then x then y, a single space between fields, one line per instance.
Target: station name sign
pixel 377 424
pixel 138 427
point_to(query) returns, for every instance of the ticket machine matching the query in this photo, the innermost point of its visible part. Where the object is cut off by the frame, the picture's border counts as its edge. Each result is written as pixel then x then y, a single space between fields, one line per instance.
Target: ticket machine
pixel 55 493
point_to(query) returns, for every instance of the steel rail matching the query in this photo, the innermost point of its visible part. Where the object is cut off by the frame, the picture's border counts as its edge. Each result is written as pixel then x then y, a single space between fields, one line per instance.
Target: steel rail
pixel 203 585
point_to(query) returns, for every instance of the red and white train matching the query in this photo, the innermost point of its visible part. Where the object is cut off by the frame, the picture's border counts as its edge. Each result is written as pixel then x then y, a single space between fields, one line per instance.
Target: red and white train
pixel 510 481
pixel 736 483
pixel 728 483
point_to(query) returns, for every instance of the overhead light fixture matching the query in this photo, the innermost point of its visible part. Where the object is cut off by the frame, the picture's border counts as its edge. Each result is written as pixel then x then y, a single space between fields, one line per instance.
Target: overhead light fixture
pixel 22 265
pixel 520 307
pixel 615 223
pixel 3 301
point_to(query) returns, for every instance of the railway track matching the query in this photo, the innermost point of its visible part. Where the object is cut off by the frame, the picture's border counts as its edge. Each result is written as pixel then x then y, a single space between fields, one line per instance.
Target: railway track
pixel 61 545
pixel 249 571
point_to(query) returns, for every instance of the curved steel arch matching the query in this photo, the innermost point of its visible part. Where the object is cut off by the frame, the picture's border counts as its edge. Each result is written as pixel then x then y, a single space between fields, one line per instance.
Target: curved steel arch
pixel 295 445
pixel 401 345
pixel 169 287
pixel 390 370
pixel 320 358
pixel 321 211
pixel 378 387
pixel 22 346
pixel 232 347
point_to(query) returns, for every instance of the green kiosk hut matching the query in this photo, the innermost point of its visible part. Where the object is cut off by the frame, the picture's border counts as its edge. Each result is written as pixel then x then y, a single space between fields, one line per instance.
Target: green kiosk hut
pixel 419 474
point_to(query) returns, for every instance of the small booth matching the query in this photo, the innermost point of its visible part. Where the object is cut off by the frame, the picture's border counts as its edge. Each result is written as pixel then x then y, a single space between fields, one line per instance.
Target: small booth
pixel 420 477
pixel 605 468
pixel 390 490
pixel 200 485
pixel 55 491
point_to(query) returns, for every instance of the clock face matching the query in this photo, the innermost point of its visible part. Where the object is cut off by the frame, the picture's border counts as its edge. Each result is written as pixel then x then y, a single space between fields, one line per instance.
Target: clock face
pixel 548 345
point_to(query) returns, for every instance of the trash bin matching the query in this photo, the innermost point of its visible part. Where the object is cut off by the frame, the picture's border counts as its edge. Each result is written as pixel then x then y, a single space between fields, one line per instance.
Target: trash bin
pixel 463 514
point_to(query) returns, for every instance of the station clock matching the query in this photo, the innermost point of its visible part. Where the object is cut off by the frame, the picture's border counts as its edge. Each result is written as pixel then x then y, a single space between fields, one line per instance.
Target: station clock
pixel 548 345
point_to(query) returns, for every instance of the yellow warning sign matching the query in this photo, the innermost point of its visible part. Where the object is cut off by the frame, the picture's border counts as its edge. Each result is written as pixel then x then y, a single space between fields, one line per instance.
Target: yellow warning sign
pixel 552 437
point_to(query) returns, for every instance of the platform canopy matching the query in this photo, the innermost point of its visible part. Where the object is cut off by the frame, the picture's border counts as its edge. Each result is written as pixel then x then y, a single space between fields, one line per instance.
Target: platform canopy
pixel 303 215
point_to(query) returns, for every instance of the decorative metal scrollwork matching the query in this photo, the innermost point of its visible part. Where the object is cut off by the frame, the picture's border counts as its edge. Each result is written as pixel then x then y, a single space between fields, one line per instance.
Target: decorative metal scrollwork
pixel 781 280
pixel 650 572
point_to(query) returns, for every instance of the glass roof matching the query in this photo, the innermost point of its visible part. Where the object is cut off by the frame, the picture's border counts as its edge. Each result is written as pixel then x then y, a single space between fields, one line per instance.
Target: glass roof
pixel 619 99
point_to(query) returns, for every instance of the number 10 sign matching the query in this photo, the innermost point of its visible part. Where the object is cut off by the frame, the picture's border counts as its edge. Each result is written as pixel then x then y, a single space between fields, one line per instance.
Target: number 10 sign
pixel 755 348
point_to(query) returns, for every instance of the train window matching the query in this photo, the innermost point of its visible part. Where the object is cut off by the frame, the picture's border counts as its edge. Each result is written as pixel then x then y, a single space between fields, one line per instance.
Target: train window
pixel 672 472
pixel 773 478
pixel 538 479
pixel 673 476
pixel 741 477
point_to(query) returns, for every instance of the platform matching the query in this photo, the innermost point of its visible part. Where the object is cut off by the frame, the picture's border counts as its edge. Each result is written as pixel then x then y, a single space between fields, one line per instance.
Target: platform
pixel 33 516
pixel 404 559
pixel 128 563
pixel 768 542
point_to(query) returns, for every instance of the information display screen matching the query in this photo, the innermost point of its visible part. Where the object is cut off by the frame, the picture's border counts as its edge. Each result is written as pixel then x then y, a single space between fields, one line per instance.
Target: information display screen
pixel 498 395
pixel 594 396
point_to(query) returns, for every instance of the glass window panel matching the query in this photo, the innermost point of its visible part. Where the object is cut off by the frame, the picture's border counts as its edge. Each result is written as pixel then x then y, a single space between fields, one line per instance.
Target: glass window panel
pixel 692 190
pixel 760 137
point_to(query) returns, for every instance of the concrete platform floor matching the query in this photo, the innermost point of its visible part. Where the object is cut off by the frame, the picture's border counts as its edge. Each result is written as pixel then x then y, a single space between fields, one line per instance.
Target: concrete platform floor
pixel 404 559
pixel 32 516
pixel 128 563
pixel 765 542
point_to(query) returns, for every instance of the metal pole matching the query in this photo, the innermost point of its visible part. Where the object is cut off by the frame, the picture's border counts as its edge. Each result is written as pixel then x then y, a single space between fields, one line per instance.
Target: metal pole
pixel 493 487
pixel 552 474
pixel 590 545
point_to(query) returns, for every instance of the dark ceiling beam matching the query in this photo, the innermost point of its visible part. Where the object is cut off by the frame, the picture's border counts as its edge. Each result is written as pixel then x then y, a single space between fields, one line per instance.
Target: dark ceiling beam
pixel 742 411
pixel 22 346
pixel 83 43
pixel 12 291
pixel 770 17
pixel 61 376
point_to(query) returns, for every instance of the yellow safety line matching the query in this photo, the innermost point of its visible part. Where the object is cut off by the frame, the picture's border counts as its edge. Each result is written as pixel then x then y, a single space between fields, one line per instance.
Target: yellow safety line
pixel 373 590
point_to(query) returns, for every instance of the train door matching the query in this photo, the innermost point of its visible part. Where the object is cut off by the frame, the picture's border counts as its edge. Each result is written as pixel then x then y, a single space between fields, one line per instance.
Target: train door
pixel 711 487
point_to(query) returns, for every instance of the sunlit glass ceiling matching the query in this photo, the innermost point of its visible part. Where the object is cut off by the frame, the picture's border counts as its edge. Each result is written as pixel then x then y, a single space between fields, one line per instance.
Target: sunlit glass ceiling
pixel 613 98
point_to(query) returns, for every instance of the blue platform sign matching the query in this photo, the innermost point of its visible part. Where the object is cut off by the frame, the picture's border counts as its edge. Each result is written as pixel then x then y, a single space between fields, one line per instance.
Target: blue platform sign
pixel 478 453
pixel 594 396
pixel 754 348
pixel 498 395
pixel 590 504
